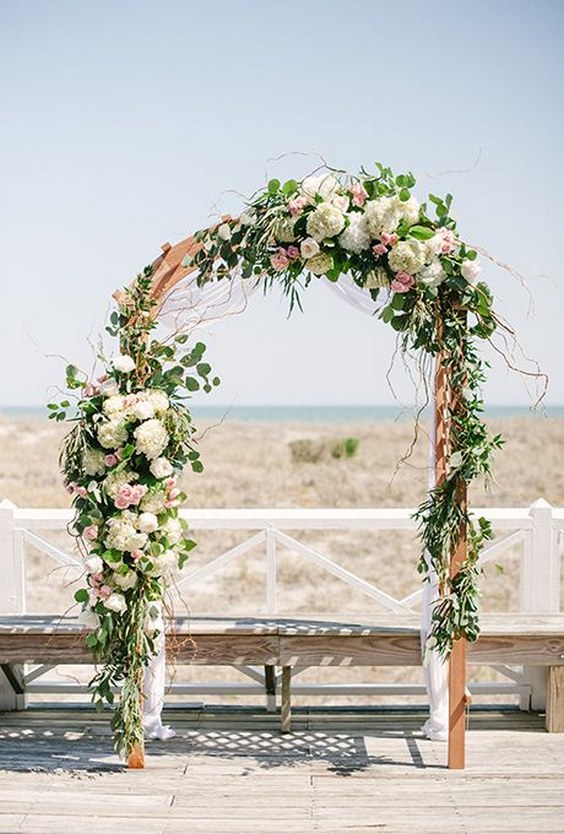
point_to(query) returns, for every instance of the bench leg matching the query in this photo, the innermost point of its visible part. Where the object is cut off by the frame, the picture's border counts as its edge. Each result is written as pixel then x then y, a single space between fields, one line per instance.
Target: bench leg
pixel 270 687
pixel 12 692
pixel 286 709
pixel 554 720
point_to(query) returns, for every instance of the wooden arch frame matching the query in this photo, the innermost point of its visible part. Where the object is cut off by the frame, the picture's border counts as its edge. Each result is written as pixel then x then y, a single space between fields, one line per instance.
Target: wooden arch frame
pixel 168 270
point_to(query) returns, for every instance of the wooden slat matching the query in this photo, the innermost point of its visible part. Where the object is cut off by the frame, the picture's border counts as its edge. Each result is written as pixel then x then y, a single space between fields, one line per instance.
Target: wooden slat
pixel 555 700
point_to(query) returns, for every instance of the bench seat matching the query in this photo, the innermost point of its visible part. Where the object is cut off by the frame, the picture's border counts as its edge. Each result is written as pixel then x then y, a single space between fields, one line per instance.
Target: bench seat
pixel 316 640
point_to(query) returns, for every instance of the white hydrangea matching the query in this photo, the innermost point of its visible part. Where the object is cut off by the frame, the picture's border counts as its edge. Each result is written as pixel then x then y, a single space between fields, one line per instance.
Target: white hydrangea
pixel 111 434
pixel 284 230
pixel 151 438
pixel 325 221
pixel 115 480
pixel 127 581
pixel 382 215
pixel 159 400
pixel 153 502
pixel 165 563
pixel 114 406
pixel 408 256
pixel 432 275
pixel 320 264
pixel 161 468
pixel 93 462
pixel 122 535
pixel 325 185
pixel 173 530
pixel 355 238
pixel 116 602
pixel 408 210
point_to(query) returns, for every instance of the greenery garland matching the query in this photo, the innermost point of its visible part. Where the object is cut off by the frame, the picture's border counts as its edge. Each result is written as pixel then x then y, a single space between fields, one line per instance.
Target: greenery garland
pixel 132 436
pixel 372 228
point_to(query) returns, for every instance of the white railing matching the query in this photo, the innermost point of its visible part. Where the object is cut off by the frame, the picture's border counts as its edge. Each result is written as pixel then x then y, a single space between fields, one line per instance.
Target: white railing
pixel 538 529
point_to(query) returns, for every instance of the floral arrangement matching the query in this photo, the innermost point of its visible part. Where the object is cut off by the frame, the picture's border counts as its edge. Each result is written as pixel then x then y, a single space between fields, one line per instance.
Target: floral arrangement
pixel 373 228
pixel 133 435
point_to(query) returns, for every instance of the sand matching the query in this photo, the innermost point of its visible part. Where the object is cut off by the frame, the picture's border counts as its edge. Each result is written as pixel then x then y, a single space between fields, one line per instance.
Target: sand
pixel 250 465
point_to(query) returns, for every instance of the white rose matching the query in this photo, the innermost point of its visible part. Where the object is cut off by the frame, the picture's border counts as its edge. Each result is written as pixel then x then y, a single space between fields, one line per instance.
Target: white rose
pixel 470 270
pixel 148 523
pixel 124 364
pixel 89 618
pixel 320 264
pixel 151 438
pixel 173 531
pixel 109 388
pixel 126 582
pixel 309 248
pixel 94 564
pixel 224 232
pixel 341 202
pixel 143 410
pixel 326 186
pixel 116 602
pixel 136 541
pixel 161 468
pixel 432 275
pixel 159 400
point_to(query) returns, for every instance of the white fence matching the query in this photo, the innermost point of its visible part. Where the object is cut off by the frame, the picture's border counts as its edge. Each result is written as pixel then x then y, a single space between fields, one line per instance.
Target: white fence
pixel 537 529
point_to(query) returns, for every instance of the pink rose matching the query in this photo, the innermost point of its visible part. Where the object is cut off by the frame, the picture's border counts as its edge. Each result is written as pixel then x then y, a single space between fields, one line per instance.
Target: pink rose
pixel 137 493
pixel 82 491
pixel 136 555
pixel 280 261
pixel 174 493
pixel 170 483
pixel 293 252
pixel 103 592
pixel 402 282
pixel 102 378
pixel 389 239
pixel 91 532
pixel 359 195
pixel 296 205
pixel 379 249
pixel 121 503
pixel 110 460
pixel 90 391
pixel 97 578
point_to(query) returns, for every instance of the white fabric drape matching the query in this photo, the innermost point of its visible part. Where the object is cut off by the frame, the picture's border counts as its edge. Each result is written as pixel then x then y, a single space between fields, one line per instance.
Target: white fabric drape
pixel 188 308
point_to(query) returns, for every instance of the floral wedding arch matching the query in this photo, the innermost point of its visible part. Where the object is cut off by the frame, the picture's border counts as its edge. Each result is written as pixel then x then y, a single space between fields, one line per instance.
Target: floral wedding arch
pixel 133 432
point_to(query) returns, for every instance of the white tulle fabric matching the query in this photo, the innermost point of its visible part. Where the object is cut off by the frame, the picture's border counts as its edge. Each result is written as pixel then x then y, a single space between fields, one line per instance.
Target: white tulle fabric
pixel 188 308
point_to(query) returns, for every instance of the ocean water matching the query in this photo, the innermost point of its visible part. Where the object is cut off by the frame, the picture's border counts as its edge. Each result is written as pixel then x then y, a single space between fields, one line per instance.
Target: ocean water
pixel 305 413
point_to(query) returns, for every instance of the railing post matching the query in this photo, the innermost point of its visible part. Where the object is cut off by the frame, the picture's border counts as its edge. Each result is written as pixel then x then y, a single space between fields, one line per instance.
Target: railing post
pixel 271 572
pixel 540 584
pixel 12 586
pixel 12 601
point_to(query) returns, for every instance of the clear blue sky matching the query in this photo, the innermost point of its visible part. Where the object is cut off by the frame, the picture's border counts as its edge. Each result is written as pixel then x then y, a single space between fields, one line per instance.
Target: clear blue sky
pixel 125 121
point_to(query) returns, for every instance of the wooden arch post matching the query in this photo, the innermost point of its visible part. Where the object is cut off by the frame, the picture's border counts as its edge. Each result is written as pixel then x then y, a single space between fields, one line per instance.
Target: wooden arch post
pixel 448 402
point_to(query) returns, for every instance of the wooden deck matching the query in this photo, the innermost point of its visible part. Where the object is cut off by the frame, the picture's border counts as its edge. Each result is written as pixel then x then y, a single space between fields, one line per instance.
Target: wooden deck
pixel 233 773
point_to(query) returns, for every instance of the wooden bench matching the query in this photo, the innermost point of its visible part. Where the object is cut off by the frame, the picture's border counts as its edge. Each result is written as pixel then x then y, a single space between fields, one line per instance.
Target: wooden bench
pixel 289 642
